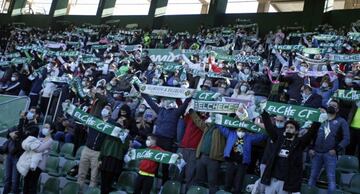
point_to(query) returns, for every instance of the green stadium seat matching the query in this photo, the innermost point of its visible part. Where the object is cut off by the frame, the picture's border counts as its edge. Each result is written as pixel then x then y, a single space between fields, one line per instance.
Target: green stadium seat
pixel 197 190
pixel 222 192
pixel 306 189
pixel 171 187
pixel 67 150
pixel 2 174
pixel 248 180
pixel 93 190
pixel 132 165
pixel 126 181
pixel 354 185
pixel 347 164
pixel 54 148
pixel 71 188
pixel 51 186
pixel 52 165
pixel 69 164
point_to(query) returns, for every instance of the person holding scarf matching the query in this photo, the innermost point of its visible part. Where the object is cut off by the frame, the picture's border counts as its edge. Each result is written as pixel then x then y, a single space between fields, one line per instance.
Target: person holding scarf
pixel 283 172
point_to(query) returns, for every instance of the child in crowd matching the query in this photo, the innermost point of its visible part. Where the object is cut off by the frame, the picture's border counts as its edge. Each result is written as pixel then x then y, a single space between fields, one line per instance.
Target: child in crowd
pixel 147 169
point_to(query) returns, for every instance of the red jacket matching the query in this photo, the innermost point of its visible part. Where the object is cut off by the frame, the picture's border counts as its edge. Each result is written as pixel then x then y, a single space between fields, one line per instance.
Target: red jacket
pixel 192 134
pixel 150 166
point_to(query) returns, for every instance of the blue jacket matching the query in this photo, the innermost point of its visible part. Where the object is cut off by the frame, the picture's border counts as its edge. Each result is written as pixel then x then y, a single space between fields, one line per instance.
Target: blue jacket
pixel 332 141
pixel 167 119
pixel 326 94
pixel 231 138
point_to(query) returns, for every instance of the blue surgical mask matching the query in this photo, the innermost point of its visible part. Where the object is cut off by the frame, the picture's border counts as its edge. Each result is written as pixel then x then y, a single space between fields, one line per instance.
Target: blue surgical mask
pixel 279 124
pixel 30 116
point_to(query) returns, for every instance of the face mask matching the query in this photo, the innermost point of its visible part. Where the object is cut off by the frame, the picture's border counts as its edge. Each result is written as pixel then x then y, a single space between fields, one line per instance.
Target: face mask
pixel 324 68
pixel 13 78
pixel 141 110
pixel 325 85
pixel 331 110
pixel 148 143
pixel 112 83
pixel 279 124
pixel 289 135
pixel 304 96
pixel 246 71
pixel 105 112
pixel 348 80
pixel 150 68
pixel 45 131
pixel 83 83
pixel 87 74
pixel 302 69
pixel 243 88
pixel 30 116
pixel 323 117
pixel 240 134
pixel 175 82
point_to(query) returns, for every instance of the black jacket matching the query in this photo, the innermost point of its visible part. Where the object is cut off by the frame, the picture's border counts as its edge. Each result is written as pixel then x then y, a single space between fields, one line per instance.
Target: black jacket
pixel 261 86
pixel 295 158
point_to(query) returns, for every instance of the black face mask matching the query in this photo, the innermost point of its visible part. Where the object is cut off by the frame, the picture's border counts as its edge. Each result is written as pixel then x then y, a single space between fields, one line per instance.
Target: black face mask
pixel 331 110
pixel 289 135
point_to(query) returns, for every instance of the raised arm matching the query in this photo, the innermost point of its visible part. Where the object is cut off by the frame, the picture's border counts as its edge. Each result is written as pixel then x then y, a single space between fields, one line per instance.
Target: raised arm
pixel 305 140
pixel 224 130
pixel 151 103
pixel 181 110
pixel 197 120
pixel 269 127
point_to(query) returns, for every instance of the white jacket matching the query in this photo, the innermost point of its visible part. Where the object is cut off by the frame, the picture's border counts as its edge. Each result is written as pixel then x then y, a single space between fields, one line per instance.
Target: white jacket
pixel 30 158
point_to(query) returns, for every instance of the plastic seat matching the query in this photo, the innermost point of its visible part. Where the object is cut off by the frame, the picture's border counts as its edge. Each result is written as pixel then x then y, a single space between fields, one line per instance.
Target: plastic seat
pixel 67 150
pixel 71 188
pixel 197 190
pixel 93 190
pixel 2 173
pixel 171 187
pixel 354 184
pixel 248 180
pixel 69 164
pixel 306 189
pixel 51 186
pixel 54 149
pixel 222 192
pixel 126 181
pixel 52 165
pixel 132 165
pixel 348 164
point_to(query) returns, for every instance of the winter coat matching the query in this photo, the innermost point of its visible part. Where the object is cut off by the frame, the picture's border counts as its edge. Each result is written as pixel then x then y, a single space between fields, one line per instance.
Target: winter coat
pixel 231 138
pixel 293 179
pixel 29 159
pixel 167 119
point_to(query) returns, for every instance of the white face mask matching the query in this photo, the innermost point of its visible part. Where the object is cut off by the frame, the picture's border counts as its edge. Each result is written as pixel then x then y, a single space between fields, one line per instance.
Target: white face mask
pixel 348 80
pixel 30 116
pixel 45 131
pixel 246 71
pixel 325 85
pixel 13 78
pixel 148 143
pixel 302 69
pixel 324 68
pixel 240 134
pixel 280 124
pixel 105 112
pixel 243 89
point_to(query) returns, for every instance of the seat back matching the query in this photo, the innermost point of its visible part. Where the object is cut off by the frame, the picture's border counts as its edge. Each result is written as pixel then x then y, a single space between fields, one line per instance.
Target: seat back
pixel 127 180
pixel 197 190
pixel 93 190
pixel 71 188
pixel 69 164
pixel 67 149
pixel 349 164
pixel 248 180
pixel 52 164
pixel 306 189
pixel 54 150
pixel 355 182
pixel 171 187
pixel 51 186
pixel 222 192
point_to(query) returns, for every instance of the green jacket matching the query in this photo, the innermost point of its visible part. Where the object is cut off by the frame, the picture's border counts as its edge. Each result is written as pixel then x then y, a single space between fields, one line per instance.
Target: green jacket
pixel 218 141
pixel 113 147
